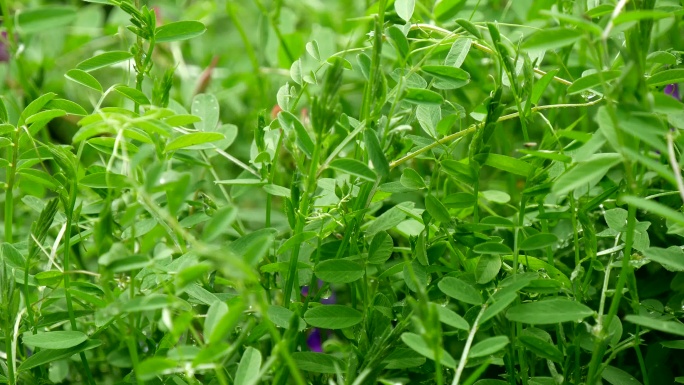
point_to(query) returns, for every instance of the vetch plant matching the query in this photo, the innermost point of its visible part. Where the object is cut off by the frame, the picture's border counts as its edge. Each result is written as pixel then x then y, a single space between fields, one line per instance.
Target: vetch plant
pixel 395 192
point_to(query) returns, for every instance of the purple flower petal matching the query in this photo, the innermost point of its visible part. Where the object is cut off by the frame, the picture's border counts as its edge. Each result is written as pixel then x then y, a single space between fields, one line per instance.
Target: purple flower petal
pixel 672 90
pixel 4 52
pixel 314 341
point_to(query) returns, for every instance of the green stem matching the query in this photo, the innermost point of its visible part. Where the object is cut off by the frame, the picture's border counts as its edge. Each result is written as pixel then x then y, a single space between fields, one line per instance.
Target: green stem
pixel 69 211
pixel 625 271
pixel 368 92
pixel 466 348
pixel 302 214
pixel 640 358
pixel 458 135
pixel 9 196
pixel 251 53
pixel 8 351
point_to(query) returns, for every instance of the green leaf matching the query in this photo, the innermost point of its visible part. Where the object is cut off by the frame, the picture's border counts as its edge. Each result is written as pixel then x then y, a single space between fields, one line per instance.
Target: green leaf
pixel 448 77
pixel 445 10
pixel 282 317
pixel 666 77
pixel 498 303
pixel 655 208
pixel 49 277
pixel 541 85
pixel 339 271
pixel 585 173
pixel 552 38
pixel 671 327
pixel 422 96
pixel 405 8
pixel 49 355
pixel 541 348
pixel 317 362
pixel 489 346
pixel 85 79
pixel 592 80
pixel 487 268
pixel 402 358
pixel 389 219
pixel 400 41
pixel 192 139
pixel 206 107
pixel 678 344
pixel 460 290
pixel 154 367
pixel 3 114
pixel 105 180
pixel 626 17
pixel 539 241
pixel 219 223
pixel 509 164
pixel 549 311
pixel 216 312
pixel 313 50
pixel 450 318
pixel 437 209
pixel 547 154
pixel 616 376
pixel 459 171
pixel 45 116
pixel 182 120
pixel 133 94
pixel 458 51
pixel 468 26
pixel 671 258
pixel 253 246
pixel 289 122
pixel 380 248
pixel 412 180
pixel 353 167
pixel 276 190
pixel 418 344
pixel 493 248
pixel 104 60
pixel 67 106
pixel 179 30
pixel 375 153
pixel 296 239
pixel 45 18
pixel 535 264
pixel 332 316
pixel 248 369
pixel 35 106
pixel 55 340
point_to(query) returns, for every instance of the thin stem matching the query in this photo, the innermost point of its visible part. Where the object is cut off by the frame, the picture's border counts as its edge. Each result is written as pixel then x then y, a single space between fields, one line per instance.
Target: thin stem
pixel 480 47
pixel 640 358
pixel 625 271
pixel 302 214
pixel 473 128
pixel 251 53
pixel 9 195
pixel 466 348
pixel 69 211
pixel 674 163
pixel 10 357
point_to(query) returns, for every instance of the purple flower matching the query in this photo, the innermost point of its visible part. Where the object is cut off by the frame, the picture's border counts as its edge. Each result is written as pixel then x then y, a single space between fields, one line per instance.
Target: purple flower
pixel 4 52
pixel 315 339
pixel 672 90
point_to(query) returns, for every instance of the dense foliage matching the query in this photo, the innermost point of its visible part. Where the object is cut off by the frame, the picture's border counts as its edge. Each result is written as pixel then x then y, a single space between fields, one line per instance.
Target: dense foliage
pixel 342 192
